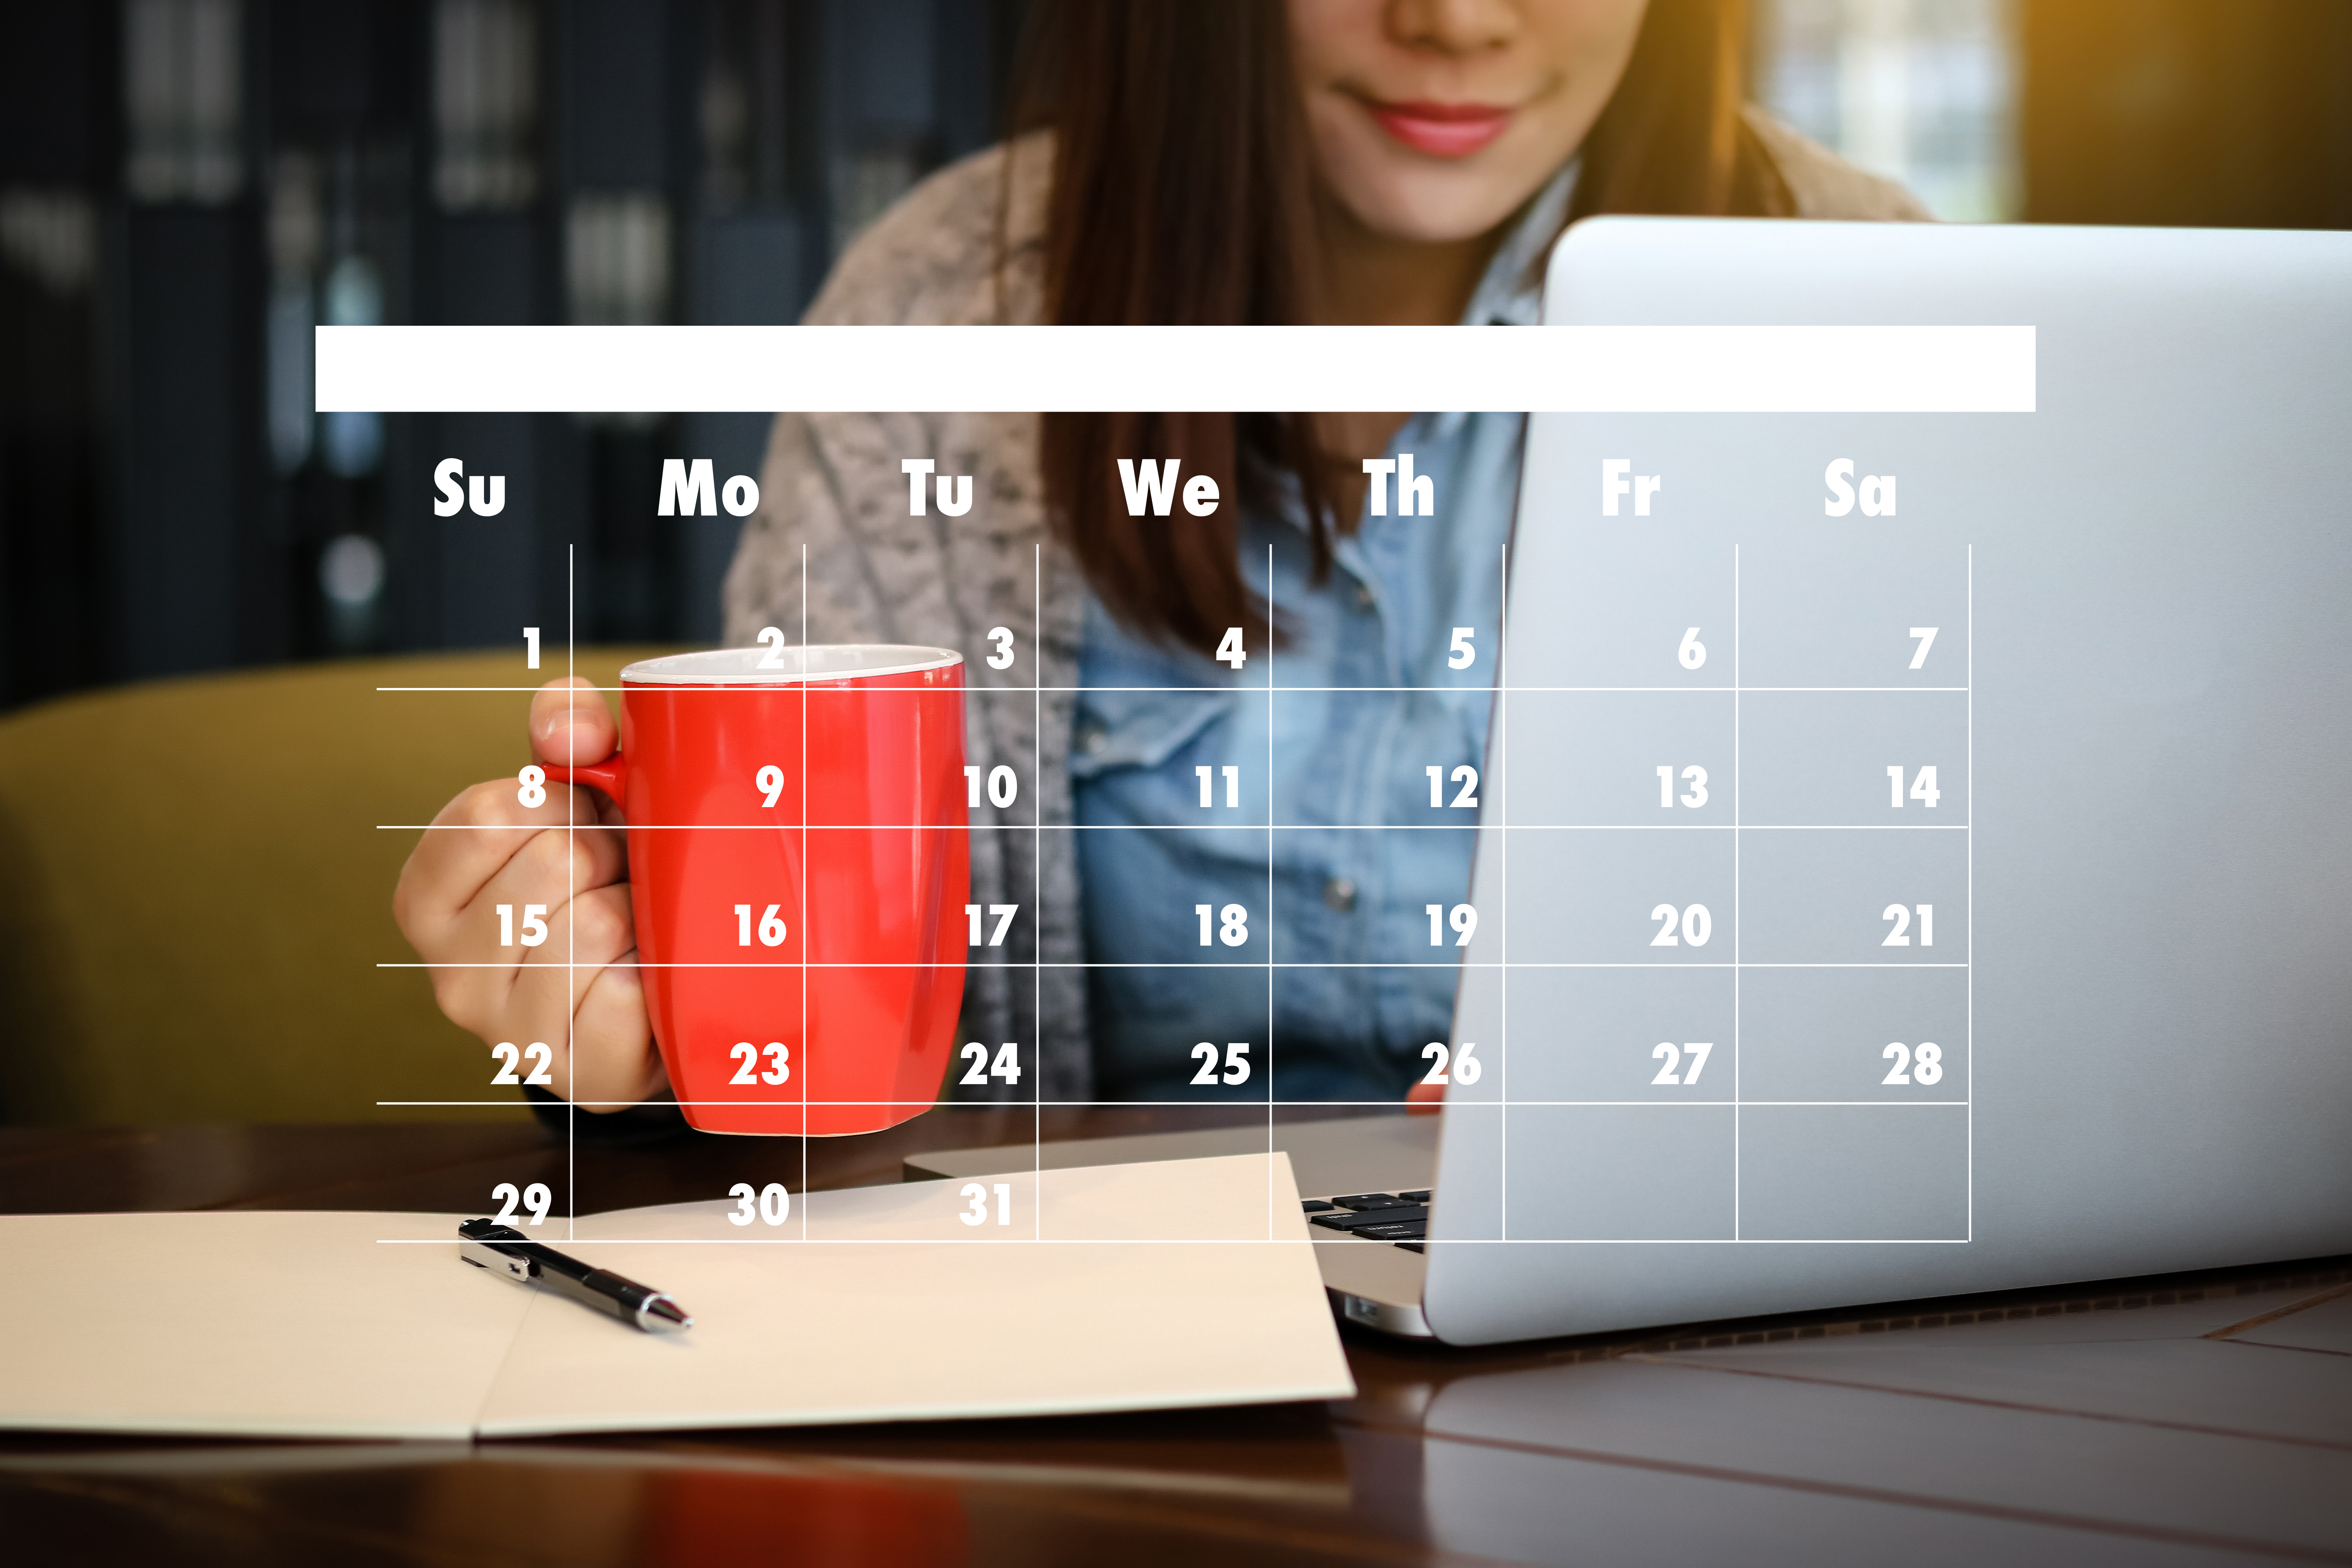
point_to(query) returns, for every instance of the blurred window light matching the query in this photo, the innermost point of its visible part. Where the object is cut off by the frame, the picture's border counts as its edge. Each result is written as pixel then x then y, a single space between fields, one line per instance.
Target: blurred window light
pixel 1923 91
pixel 351 578
pixel 354 294
pixel 289 354
pixel 616 258
pixel 296 227
pixel 297 220
pixel 354 439
pixel 351 570
pixel 50 236
pixel 183 79
pixel 725 117
pixel 485 104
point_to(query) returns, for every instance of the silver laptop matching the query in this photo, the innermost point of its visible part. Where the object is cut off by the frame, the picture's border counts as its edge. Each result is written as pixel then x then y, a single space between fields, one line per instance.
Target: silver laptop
pixel 1914 857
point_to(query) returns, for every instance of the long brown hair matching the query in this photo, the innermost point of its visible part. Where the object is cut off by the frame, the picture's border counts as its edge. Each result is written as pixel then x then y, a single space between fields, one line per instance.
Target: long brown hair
pixel 1181 196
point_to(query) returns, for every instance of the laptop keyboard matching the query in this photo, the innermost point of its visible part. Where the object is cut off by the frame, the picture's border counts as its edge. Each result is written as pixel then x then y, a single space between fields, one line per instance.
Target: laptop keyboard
pixel 1401 1219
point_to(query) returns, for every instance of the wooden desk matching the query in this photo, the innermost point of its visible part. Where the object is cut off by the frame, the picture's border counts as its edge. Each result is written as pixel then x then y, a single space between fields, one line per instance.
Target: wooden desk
pixel 2103 1424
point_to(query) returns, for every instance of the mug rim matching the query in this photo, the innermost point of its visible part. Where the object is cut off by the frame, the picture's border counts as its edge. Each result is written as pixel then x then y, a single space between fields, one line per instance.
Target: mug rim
pixel 740 666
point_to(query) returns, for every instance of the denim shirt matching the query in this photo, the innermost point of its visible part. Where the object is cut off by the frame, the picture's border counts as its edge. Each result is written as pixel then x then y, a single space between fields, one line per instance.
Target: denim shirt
pixel 1286 922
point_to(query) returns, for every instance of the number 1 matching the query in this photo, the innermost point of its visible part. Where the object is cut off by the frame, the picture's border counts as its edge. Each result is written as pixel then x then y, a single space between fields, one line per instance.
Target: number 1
pixel 530 647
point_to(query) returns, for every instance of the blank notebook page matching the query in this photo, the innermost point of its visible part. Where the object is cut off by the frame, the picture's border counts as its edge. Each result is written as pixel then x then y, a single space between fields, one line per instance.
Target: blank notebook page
pixel 894 1310
pixel 247 1324
pixel 340 1325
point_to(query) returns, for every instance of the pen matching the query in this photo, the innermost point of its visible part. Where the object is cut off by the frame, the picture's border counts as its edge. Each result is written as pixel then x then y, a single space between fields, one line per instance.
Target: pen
pixel 501 1249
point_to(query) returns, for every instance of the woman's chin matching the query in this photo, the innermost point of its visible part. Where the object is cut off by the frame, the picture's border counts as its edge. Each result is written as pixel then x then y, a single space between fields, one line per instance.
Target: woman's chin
pixel 1427 205
pixel 1399 193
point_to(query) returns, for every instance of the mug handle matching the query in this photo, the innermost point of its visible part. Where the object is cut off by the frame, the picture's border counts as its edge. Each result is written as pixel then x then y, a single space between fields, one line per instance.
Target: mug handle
pixel 611 775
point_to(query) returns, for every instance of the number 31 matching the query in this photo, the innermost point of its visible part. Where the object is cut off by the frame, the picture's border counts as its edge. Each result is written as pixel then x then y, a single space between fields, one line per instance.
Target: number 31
pixel 976 1196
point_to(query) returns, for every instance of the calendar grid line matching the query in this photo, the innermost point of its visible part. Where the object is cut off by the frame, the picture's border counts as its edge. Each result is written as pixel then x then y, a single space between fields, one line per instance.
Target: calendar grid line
pixel 1207 1104
pixel 978 1240
pixel 803 890
pixel 1503 863
pixel 1469 691
pixel 1269 890
pixel 1038 883
pixel 1739 775
pixel 571 974
pixel 1246 827
pixel 1216 963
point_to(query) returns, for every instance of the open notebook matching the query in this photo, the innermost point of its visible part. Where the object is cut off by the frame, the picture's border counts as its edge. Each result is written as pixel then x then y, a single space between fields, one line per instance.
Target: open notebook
pixel 366 1325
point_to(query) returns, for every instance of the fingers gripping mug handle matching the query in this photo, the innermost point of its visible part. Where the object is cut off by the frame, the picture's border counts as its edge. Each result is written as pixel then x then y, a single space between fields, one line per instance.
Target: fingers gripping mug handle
pixel 611 775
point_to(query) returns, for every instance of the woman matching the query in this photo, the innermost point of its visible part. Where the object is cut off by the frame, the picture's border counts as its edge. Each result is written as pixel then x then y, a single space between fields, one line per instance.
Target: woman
pixel 1219 161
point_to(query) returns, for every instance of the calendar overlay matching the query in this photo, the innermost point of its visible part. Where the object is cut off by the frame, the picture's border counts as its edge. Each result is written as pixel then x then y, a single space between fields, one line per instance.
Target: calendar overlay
pixel 1723 866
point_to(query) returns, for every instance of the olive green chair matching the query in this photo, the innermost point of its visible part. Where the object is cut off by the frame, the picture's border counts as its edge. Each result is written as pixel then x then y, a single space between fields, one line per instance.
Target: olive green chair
pixel 196 891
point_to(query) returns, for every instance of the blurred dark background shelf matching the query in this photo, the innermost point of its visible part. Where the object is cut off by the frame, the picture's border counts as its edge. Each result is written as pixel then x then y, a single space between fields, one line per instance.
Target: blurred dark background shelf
pixel 187 187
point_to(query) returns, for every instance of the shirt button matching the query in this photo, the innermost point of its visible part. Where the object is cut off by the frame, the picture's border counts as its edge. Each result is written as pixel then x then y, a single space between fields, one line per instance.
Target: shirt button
pixel 1092 740
pixel 1341 894
pixel 1365 597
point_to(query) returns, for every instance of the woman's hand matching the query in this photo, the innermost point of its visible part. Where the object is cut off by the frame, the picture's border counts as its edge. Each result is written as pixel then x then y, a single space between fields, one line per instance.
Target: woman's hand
pixel 580 981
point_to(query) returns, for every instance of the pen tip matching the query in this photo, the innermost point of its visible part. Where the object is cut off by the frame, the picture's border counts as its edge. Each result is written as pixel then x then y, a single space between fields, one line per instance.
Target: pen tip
pixel 661 1312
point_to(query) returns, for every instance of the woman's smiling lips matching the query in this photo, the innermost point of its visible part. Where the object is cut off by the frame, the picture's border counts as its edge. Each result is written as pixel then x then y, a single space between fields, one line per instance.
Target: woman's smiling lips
pixel 1442 130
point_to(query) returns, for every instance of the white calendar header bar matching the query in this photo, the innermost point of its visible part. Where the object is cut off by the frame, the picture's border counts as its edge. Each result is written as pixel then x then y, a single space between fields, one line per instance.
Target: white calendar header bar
pixel 1559 369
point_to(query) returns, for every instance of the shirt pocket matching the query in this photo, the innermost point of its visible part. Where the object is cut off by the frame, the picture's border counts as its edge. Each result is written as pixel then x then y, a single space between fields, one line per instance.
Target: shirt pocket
pixel 1118 731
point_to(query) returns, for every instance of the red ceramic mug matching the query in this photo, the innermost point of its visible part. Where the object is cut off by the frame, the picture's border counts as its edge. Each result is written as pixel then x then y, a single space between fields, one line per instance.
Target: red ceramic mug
pixel 799 860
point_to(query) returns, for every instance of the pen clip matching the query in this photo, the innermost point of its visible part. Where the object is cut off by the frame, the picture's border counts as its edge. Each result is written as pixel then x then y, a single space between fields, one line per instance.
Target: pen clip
pixel 479 1244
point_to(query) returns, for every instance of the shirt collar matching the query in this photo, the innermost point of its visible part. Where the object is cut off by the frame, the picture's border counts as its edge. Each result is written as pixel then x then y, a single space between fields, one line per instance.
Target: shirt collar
pixel 1510 291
